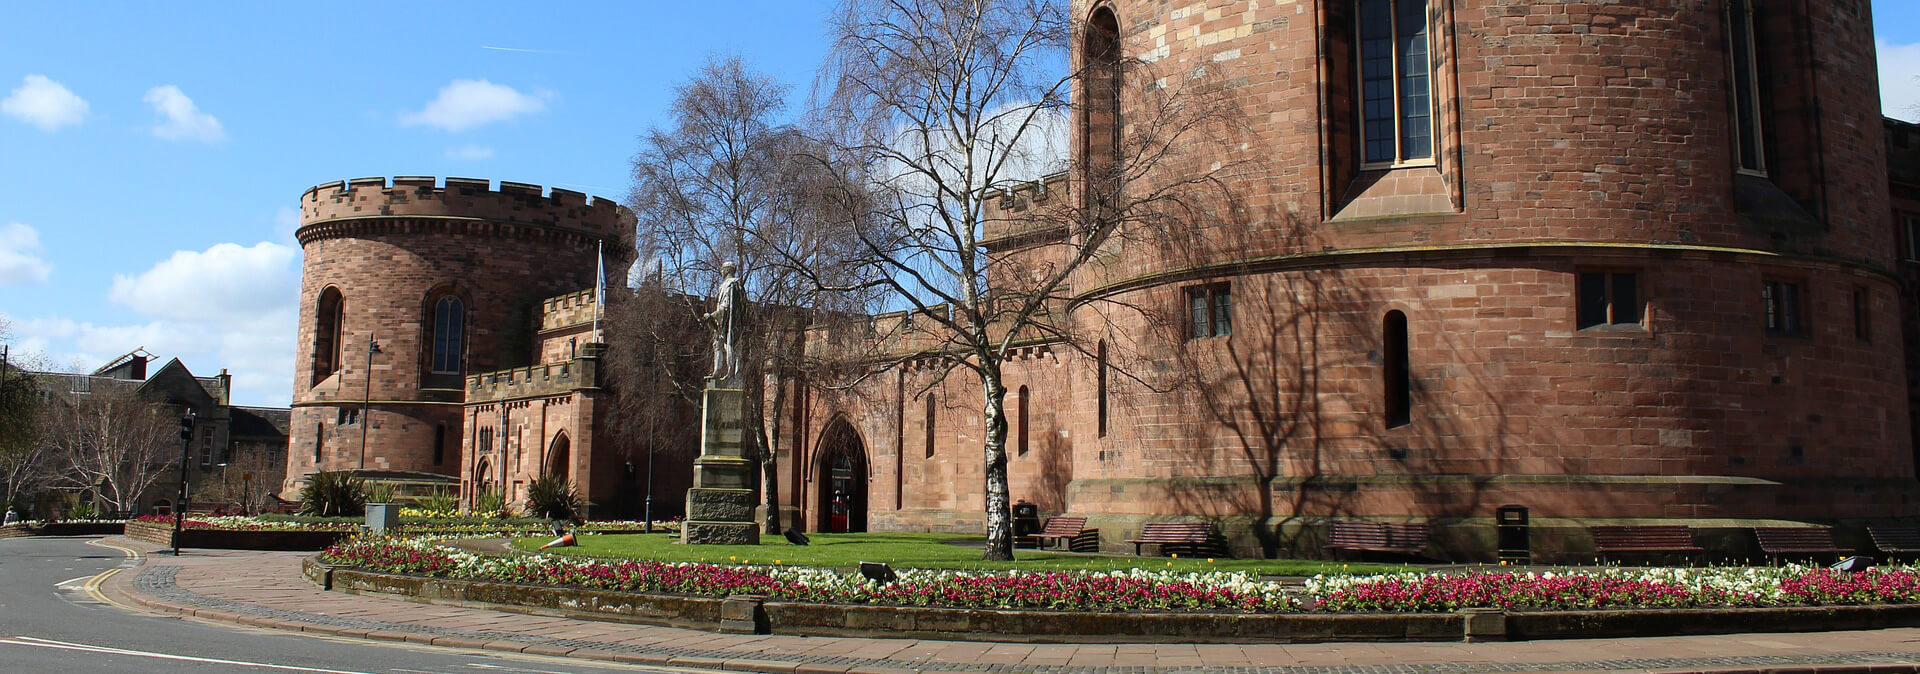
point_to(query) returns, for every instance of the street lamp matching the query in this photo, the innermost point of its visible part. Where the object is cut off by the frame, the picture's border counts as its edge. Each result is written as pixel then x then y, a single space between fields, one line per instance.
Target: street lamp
pixel 372 348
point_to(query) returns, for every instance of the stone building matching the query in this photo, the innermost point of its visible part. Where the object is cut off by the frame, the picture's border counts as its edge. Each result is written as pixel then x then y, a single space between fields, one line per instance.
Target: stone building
pixel 1614 262
pixel 445 339
pixel 1617 263
pixel 230 441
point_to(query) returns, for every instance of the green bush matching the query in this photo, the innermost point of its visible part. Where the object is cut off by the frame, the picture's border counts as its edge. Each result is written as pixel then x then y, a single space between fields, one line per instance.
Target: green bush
pixel 554 498
pixel 378 492
pixel 440 500
pixel 490 504
pixel 333 494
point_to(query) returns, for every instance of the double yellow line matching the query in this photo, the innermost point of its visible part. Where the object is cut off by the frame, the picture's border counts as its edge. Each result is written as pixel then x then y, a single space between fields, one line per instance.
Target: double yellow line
pixel 93 584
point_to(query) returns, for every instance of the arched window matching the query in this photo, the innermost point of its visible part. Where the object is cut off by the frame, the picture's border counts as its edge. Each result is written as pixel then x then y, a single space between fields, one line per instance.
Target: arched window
pixel 449 334
pixel 326 334
pixel 1396 75
pixel 1395 370
pixel 929 425
pixel 1023 421
pixel 1100 121
pixel 1744 64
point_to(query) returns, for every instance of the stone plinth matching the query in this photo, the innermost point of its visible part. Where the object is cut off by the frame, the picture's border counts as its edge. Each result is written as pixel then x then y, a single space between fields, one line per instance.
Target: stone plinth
pixel 720 504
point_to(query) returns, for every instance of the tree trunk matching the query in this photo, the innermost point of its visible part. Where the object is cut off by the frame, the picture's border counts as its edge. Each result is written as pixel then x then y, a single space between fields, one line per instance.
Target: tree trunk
pixel 999 520
pixel 769 464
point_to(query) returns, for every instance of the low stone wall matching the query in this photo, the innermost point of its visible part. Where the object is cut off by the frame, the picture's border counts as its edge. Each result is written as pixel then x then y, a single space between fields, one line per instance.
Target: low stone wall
pixel 755 615
pixel 19 529
pixel 162 534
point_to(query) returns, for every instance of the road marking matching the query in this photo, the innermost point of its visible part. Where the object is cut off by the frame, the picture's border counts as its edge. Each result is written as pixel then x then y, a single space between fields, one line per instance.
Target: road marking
pixel 88 648
pixel 63 584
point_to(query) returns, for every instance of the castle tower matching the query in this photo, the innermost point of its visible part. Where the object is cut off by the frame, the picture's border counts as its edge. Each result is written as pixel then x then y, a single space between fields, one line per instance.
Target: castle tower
pixel 442 280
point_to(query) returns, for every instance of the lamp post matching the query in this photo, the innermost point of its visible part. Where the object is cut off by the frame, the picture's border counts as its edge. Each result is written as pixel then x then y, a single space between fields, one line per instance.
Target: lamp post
pixel 372 348
pixel 186 451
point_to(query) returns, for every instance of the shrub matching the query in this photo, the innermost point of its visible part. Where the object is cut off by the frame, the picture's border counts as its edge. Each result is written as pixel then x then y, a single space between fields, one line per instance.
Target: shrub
pixel 333 494
pixel 440 500
pixel 490 504
pixel 378 492
pixel 553 497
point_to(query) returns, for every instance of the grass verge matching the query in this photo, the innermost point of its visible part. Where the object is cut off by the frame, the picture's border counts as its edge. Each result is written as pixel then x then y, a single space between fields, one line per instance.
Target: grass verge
pixel 918 551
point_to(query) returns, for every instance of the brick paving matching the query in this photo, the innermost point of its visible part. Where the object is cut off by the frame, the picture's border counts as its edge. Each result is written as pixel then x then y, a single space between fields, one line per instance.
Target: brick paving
pixel 266 589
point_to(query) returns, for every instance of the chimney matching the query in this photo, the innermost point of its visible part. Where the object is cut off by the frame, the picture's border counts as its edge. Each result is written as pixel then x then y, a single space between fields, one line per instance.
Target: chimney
pixel 226 387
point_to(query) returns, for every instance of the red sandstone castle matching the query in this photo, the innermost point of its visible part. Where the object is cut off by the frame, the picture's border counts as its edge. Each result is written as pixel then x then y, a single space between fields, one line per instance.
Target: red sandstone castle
pixel 1613 262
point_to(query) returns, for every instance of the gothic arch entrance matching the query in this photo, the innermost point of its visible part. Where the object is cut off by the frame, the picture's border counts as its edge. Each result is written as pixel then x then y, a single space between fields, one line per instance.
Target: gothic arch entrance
pixel 559 456
pixel 482 480
pixel 840 479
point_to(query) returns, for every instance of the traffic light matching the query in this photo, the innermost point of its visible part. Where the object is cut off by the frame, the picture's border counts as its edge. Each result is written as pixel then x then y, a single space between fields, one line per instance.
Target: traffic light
pixel 186 427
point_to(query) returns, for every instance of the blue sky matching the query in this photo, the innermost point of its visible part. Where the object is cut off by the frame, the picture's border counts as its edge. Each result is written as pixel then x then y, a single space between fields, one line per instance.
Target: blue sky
pixel 152 154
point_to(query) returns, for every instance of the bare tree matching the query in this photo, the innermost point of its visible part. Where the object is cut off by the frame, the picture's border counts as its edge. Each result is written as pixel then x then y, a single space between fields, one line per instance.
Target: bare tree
pixel 111 441
pixel 723 185
pixel 23 457
pixel 656 376
pixel 941 105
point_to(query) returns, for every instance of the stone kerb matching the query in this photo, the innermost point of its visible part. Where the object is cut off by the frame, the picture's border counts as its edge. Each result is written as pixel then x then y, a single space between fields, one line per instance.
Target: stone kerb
pixel 1033 626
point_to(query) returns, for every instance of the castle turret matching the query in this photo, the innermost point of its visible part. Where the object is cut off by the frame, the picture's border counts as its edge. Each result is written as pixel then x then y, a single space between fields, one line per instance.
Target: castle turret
pixel 409 285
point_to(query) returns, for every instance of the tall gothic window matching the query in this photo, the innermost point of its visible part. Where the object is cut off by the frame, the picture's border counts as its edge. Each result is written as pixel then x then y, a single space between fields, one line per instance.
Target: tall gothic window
pixel 1100 121
pixel 1744 66
pixel 1023 421
pixel 1396 74
pixel 326 334
pixel 449 332
pixel 929 425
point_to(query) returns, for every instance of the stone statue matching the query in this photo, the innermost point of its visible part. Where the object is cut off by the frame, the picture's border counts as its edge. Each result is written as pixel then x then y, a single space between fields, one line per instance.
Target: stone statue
pixel 725 325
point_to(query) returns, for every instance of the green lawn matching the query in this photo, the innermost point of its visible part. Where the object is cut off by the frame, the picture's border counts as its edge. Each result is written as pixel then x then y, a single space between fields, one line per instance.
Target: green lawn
pixel 913 550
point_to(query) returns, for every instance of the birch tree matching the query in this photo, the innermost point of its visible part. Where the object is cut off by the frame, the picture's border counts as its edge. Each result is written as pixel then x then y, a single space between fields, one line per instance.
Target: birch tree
pixel 940 104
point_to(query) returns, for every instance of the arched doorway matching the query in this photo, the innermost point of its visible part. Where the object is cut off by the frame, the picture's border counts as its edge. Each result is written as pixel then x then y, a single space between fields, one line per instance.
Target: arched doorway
pixel 482 481
pixel 840 479
pixel 559 457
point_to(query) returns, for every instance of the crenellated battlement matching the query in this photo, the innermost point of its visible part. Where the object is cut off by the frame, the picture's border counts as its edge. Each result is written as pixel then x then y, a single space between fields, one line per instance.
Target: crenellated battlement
pixel 571 309
pixel 425 197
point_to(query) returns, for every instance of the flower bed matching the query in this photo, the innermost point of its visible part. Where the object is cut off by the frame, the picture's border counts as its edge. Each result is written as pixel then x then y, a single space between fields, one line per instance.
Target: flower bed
pixel 449 526
pixel 1161 591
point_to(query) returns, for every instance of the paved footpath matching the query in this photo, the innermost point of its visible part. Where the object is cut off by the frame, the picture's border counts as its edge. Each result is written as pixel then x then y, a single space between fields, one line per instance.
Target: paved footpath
pixel 266 589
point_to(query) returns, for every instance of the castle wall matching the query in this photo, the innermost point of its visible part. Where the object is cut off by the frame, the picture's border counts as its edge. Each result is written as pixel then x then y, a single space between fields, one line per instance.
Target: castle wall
pixel 1572 137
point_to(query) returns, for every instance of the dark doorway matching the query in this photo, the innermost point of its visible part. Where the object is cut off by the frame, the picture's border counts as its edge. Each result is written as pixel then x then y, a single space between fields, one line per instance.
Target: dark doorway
pixel 559 457
pixel 841 491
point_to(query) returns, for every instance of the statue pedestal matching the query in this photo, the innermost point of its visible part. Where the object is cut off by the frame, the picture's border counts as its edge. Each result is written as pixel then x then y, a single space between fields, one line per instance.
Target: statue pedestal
pixel 720 504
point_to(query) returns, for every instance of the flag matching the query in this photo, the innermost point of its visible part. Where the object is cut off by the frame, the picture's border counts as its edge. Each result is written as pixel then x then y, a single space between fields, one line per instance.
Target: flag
pixel 599 286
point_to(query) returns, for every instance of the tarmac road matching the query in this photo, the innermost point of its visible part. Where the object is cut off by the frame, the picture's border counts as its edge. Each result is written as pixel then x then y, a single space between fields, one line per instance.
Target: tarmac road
pixel 52 619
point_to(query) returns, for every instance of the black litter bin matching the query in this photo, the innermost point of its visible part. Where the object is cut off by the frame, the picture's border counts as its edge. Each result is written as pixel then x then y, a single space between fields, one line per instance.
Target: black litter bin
pixel 1026 519
pixel 1511 522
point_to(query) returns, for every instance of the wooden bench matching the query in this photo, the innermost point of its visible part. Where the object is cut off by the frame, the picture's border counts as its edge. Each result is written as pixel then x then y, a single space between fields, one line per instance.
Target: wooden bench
pixel 1779 542
pixel 1176 535
pixel 1071 532
pixel 1895 540
pixel 1361 536
pixel 1659 538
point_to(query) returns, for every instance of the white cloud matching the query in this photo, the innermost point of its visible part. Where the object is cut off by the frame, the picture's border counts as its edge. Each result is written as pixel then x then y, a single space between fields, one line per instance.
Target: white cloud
pixel 257 350
pixel 228 306
pixel 180 119
pixel 1899 79
pixel 464 104
pixel 44 103
pixel 20 255
pixel 470 152
pixel 225 282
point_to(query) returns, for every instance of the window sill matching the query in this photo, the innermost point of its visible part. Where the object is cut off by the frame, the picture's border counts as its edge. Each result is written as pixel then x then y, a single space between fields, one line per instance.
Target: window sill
pixel 1396 192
